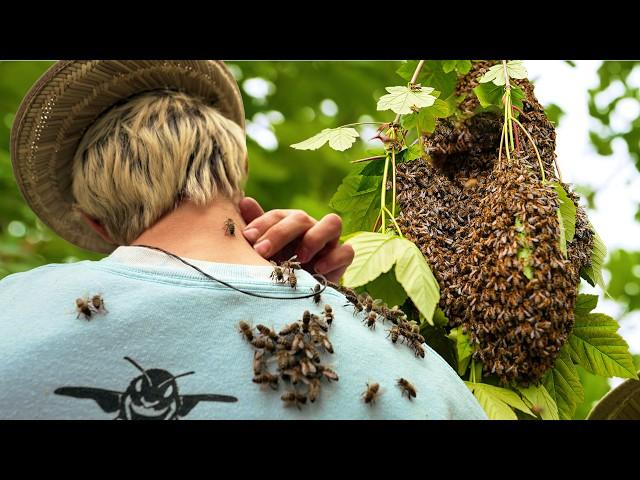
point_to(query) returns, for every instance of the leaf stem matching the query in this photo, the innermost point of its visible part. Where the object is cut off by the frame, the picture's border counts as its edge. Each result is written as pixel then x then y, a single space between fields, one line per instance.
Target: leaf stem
pixel 534 147
pixel 383 194
pixel 394 222
pixel 393 176
pixel 368 159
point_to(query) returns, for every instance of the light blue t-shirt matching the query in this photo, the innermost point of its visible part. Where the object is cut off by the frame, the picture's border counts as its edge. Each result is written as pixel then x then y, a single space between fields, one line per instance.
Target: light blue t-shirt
pixel 168 319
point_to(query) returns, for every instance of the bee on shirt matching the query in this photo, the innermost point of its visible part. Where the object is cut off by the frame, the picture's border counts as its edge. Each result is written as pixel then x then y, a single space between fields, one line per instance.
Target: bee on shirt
pixel 371 393
pixel 246 331
pixel 83 308
pixel 407 388
pixel 278 273
pixel 317 298
pixel 328 314
pixel 294 398
pixel 97 304
pixel 292 279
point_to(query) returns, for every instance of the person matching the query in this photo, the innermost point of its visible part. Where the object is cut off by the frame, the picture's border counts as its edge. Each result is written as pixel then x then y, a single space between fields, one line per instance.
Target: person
pixel 188 316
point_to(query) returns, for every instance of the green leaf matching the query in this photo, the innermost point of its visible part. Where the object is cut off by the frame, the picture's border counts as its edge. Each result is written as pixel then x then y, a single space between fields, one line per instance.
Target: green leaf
pixel 400 99
pixel 566 216
pixel 585 303
pixel 464 349
pixel 538 398
pixel 461 66
pixel 597 347
pixel 386 287
pixel 375 254
pixel 563 384
pixel 358 208
pixel 490 96
pixel 413 152
pixel 498 403
pixel 339 139
pixel 496 74
pixel 593 273
pixel 439 318
pixel 414 274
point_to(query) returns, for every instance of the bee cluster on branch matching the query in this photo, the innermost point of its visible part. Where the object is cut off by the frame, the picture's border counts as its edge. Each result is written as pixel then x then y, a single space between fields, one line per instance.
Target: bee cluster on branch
pixel 89 306
pixel 285 272
pixel 296 352
pixel 373 310
pixel 490 233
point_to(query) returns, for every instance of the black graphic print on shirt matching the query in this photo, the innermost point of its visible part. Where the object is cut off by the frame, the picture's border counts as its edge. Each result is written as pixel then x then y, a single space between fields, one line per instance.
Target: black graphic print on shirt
pixel 150 396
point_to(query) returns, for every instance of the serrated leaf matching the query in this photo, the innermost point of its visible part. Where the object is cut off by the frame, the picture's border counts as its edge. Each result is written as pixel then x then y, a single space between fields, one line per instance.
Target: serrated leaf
pixel 415 276
pixel 563 384
pixel 498 403
pixel 439 318
pixel 387 287
pixel 339 139
pixel 461 66
pixel 358 208
pixel 414 152
pixel 567 211
pixel 496 74
pixel 585 303
pixel 464 349
pixel 538 398
pixel 593 273
pixel 597 347
pixel 400 99
pixel 490 96
pixel 375 254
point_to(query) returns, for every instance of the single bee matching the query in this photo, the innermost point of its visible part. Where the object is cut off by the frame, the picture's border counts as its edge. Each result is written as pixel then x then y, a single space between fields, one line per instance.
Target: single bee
pixel 267 378
pixel 394 332
pixel 407 388
pixel 308 368
pixel 314 389
pixel 289 329
pixel 97 304
pixel 371 393
pixel 368 303
pixel 328 314
pixel 415 87
pixel 327 344
pixel 258 362
pixel 306 318
pixel 292 279
pixel 266 331
pixel 417 348
pixel 319 323
pixel 245 329
pixel 285 360
pixel 357 308
pixel 317 298
pixel 294 375
pixel 311 353
pixel 83 307
pixel 371 320
pixel 472 182
pixel 327 373
pixel 278 273
pixel 229 227
pixel 290 265
pixel 298 342
pixel 290 398
pixel 264 342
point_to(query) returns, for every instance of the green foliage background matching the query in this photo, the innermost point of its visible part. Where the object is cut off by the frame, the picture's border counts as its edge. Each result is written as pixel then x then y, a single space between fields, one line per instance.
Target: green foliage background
pixel 283 178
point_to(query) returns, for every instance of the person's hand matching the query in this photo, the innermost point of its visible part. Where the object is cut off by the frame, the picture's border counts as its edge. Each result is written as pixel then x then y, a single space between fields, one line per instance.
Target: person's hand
pixel 280 234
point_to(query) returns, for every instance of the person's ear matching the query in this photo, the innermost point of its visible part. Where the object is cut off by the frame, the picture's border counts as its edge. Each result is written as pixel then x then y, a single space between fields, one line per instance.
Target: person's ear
pixel 97 227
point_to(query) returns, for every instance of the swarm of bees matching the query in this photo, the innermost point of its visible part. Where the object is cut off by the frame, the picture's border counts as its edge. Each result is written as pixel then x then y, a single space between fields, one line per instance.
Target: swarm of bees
pixel 408 332
pixel 89 306
pixel 285 273
pixel 460 207
pixel 296 352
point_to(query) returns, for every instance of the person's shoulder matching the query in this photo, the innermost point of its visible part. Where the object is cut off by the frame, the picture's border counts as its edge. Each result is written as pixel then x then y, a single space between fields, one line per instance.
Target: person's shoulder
pixel 48 270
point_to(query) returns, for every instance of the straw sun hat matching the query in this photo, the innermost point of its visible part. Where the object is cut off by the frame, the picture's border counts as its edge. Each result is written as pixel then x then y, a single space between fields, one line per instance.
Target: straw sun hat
pixel 68 98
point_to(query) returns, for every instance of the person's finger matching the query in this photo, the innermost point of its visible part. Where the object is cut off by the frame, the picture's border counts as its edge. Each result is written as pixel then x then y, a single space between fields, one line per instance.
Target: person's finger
pixel 336 275
pixel 258 226
pixel 283 232
pixel 325 232
pixel 250 209
pixel 335 260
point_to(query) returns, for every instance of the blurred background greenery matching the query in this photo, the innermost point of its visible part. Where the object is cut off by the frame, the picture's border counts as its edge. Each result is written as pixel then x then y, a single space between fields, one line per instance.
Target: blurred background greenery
pixel 286 102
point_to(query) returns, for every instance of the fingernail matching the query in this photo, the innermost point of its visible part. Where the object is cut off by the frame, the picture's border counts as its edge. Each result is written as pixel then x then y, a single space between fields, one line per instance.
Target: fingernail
pixel 302 255
pixel 251 234
pixel 263 247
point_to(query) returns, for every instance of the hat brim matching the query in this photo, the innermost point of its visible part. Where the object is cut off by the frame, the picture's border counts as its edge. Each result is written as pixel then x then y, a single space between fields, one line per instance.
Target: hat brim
pixel 68 98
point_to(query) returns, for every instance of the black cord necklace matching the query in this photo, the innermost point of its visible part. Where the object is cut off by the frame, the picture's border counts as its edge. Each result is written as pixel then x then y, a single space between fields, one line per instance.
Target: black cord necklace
pixel 252 294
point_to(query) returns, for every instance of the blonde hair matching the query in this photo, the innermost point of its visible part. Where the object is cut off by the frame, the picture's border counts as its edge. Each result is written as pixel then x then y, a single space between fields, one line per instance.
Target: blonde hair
pixel 143 157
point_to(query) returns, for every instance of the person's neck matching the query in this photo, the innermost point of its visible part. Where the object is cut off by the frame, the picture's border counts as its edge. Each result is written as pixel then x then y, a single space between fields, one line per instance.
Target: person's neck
pixel 199 233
